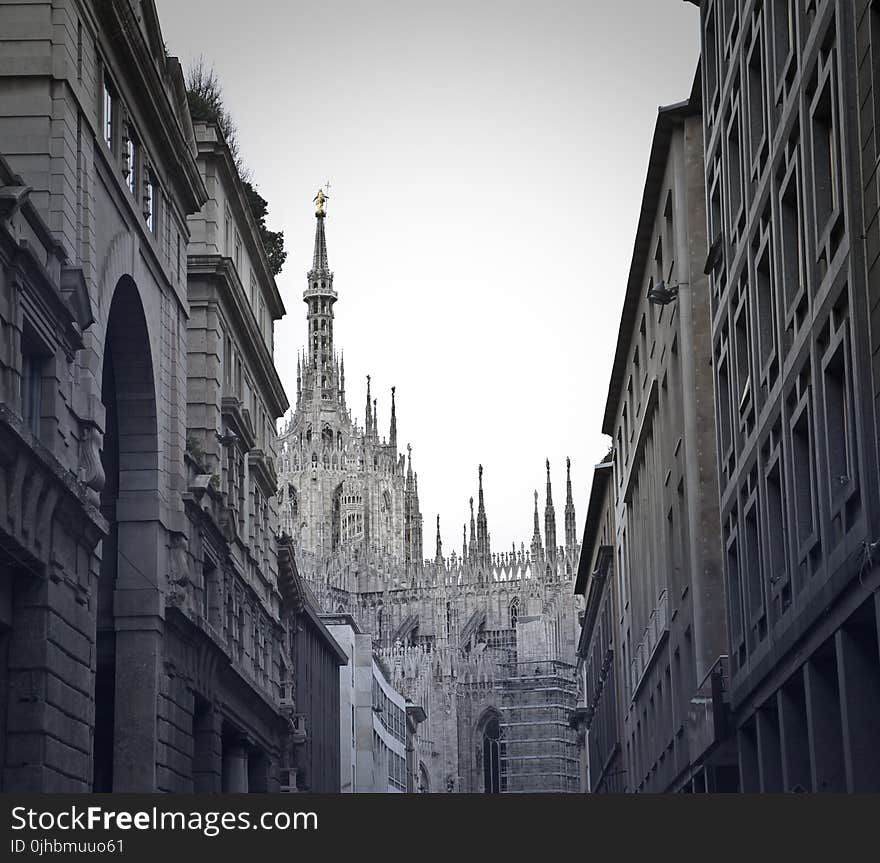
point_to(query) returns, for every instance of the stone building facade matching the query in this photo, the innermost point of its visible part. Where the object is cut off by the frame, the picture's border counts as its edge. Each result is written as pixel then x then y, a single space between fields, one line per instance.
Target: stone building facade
pixel 665 554
pixel 790 160
pixel 143 637
pixel 51 526
pixel 94 122
pixel 313 759
pixel 598 716
pixel 465 637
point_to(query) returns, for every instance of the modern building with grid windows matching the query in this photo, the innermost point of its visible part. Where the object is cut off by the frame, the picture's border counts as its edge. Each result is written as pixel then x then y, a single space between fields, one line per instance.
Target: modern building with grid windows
pixel 790 161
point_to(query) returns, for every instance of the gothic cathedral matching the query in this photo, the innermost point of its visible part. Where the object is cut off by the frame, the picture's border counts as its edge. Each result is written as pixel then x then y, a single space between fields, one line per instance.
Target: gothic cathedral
pixel 483 641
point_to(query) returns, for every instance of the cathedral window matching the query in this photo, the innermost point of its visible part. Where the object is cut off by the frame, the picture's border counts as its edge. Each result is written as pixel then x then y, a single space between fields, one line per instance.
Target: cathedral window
pixel 514 612
pixel 492 757
pixel 314 459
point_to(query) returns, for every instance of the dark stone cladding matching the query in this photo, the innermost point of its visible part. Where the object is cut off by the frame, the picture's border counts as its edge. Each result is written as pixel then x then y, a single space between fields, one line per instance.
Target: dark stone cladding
pixel 790 109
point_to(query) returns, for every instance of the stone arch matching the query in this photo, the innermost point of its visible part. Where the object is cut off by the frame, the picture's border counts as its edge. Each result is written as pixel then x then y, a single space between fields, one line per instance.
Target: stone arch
pixel 424 780
pixel 128 606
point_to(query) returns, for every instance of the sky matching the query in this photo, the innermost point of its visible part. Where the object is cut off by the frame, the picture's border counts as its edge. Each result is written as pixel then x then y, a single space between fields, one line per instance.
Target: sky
pixel 486 163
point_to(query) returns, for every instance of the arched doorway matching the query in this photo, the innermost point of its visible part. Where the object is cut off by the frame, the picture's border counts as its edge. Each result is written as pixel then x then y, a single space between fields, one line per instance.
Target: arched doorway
pixel 128 647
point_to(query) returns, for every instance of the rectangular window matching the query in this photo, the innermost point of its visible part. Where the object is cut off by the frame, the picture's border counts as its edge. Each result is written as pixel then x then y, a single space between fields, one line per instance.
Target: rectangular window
pixel 109 114
pixel 776 533
pixel 791 242
pixel 766 307
pixel 825 150
pixel 237 252
pixel 734 173
pixel 725 428
pixel 149 200
pixel 131 162
pixel 710 57
pixel 208 572
pixel 802 461
pixel 743 366
pixel 875 57
pixel 838 420
pixel 752 549
pixel 783 35
pixel 31 389
pixel 755 95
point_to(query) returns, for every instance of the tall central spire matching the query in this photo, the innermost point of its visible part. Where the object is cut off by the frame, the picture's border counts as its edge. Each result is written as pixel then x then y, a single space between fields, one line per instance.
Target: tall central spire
pixel 319 259
pixel 319 297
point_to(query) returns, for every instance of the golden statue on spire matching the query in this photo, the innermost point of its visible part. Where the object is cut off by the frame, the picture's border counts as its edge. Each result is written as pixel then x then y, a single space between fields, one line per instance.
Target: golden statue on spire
pixel 320 199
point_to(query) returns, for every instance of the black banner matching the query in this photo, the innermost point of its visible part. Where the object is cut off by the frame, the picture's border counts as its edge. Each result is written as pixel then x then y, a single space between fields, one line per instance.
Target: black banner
pixel 135 827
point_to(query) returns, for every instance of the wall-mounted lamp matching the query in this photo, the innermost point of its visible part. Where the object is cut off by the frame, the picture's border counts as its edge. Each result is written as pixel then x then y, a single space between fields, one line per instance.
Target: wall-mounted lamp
pixel 661 294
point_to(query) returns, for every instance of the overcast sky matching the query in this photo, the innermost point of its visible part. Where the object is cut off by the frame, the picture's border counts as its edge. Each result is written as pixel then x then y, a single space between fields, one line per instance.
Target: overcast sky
pixel 486 162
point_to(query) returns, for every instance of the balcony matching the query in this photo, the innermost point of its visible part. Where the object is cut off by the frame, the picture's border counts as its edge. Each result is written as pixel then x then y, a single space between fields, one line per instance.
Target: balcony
pixel 655 634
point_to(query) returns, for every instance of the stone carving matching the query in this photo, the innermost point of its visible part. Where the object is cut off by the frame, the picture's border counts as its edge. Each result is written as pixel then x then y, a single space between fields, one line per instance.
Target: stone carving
pixel 91 469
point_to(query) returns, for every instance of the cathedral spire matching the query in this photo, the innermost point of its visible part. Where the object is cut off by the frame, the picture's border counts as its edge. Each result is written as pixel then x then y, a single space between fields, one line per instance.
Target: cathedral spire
pixel 549 521
pixel 298 379
pixel 537 548
pixel 483 553
pixel 319 298
pixel 392 437
pixel 570 525
pixel 438 555
pixel 368 421
pixel 472 544
pixel 464 553
pixel 342 378
pixel 375 418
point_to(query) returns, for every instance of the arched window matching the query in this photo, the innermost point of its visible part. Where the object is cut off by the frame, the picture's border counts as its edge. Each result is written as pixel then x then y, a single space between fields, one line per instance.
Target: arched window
pixel 492 757
pixel 514 612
